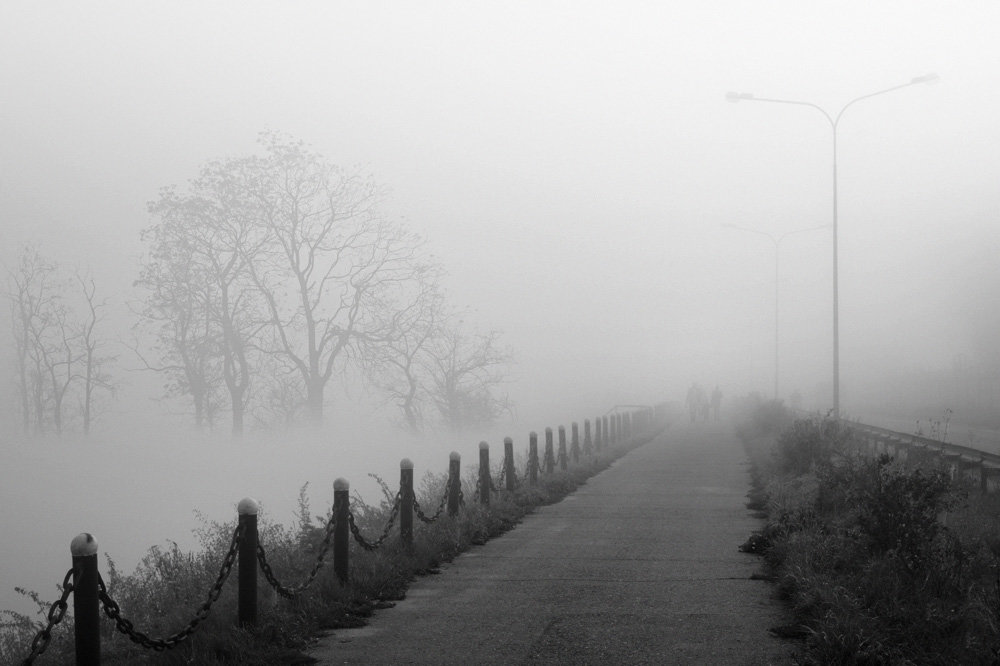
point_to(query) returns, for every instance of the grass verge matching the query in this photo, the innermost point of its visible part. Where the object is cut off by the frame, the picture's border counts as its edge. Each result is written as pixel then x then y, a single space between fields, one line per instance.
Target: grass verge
pixel 882 562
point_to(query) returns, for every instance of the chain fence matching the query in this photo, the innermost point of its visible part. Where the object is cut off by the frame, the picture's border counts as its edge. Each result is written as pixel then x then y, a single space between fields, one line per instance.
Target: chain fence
pixel 57 611
pixel 375 545
pixel 437 514
pixel 125 626
pixel 324 548
pixel 113 611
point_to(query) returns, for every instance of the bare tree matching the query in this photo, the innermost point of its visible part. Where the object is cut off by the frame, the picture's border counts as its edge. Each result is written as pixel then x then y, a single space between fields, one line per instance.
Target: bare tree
pixel 40 337
pixel 466 370
pixel 178 310
pixel 274 272
pixel 51 344
pixel 95 375
pixel 398 367
pixel 343 267
pixel 216 232
pixel 56 348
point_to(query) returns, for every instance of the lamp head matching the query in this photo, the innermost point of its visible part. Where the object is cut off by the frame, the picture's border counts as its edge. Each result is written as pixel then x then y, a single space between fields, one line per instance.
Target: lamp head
pixel 735 97
pixel 926 78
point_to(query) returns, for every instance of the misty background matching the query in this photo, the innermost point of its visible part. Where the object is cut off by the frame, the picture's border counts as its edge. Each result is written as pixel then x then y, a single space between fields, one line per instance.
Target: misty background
pixel 571 166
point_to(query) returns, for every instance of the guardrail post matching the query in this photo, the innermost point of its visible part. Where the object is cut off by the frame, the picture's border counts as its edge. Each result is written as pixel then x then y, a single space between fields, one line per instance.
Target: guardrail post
pixel 985 472
pixel 454 482
pixel 605 431
pixel 533 458
pixel 485 482
pixel 86 600
pixel 406 501
pixel 508 463
pixel 598 434
pixel 562 448
pixel 550 459
pixel 587 443
pixel 574 446
pixel 341 531
pixel 247 579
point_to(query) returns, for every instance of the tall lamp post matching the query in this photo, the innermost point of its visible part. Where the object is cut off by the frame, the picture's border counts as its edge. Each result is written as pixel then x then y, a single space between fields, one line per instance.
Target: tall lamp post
pixel 834 121
pixel 777 246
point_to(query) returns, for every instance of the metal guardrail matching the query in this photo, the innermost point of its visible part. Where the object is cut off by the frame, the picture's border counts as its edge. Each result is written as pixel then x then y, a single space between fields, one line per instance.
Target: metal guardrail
pixel 960 460
pixel 919 441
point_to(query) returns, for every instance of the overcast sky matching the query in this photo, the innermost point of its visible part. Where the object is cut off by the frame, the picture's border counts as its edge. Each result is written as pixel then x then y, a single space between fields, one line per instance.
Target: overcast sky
pixel 572 164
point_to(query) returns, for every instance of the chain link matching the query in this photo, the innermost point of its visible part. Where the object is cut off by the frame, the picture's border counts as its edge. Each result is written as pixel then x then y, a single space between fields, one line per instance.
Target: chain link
pixel 420 514
pixel 292 592
pixel 373 545
pixel 125 626
pixel 56 613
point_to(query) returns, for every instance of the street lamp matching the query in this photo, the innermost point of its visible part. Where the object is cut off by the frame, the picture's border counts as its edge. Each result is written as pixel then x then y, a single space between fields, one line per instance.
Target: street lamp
pixel 834 123
pixel 777 245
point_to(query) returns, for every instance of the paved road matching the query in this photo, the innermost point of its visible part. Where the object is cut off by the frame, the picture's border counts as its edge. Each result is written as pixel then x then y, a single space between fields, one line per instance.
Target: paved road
pixel 639 566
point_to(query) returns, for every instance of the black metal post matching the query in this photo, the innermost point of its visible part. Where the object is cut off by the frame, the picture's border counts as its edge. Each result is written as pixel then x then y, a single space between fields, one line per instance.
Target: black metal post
pixel 562 448
pixel 341 531
pixel 454 482
pixel 406 501
pixel 247 579
pixel 574 446
pixel 86 600
pixel 550 459
pixel 533 458
pixel 485 482
pixel 508 463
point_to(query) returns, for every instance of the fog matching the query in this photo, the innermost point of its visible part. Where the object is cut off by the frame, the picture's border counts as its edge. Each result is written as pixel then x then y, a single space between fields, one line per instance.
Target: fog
pixel 572 167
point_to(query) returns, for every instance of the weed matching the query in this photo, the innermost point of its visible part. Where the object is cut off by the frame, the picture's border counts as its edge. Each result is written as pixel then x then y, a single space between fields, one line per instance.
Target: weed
pixel 858 547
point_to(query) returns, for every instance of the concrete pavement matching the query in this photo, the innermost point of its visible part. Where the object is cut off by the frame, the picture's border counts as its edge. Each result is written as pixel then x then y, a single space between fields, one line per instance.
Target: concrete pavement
pixel 639 566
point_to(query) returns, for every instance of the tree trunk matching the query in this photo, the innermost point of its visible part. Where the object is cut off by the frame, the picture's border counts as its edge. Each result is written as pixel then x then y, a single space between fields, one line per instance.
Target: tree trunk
pixel 199 412
pixel 314 401
pixel 237 419
pixel 236 398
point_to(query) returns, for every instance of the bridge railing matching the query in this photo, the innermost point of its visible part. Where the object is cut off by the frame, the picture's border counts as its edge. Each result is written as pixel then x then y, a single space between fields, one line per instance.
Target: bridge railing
pixel 962 461
pixel 248 554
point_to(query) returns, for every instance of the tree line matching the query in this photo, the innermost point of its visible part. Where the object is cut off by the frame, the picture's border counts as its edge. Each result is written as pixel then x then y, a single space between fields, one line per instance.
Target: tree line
pixel 264 279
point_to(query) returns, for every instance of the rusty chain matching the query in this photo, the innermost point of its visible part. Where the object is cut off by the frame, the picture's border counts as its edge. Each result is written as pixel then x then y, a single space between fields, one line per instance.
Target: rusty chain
pixel 56 613
pixel 420 513
pixel 373 545
pixel 292 592
pixel 125 626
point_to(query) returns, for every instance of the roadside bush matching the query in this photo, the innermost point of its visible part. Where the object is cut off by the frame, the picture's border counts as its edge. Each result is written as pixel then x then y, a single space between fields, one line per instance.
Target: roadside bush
pixel 805 443
pixel 860 549
pixel 766 418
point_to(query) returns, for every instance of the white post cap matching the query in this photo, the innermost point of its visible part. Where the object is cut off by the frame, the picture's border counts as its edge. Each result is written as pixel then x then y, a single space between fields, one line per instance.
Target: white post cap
pixel 405 463
pixel 341 484
pixel 83 544
pixel 247 507
pixel 454 455
pixel 484 446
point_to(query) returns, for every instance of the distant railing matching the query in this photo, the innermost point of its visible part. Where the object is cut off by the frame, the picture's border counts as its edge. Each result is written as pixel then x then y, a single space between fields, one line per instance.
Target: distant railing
pixel 246 552
pixel 961 461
